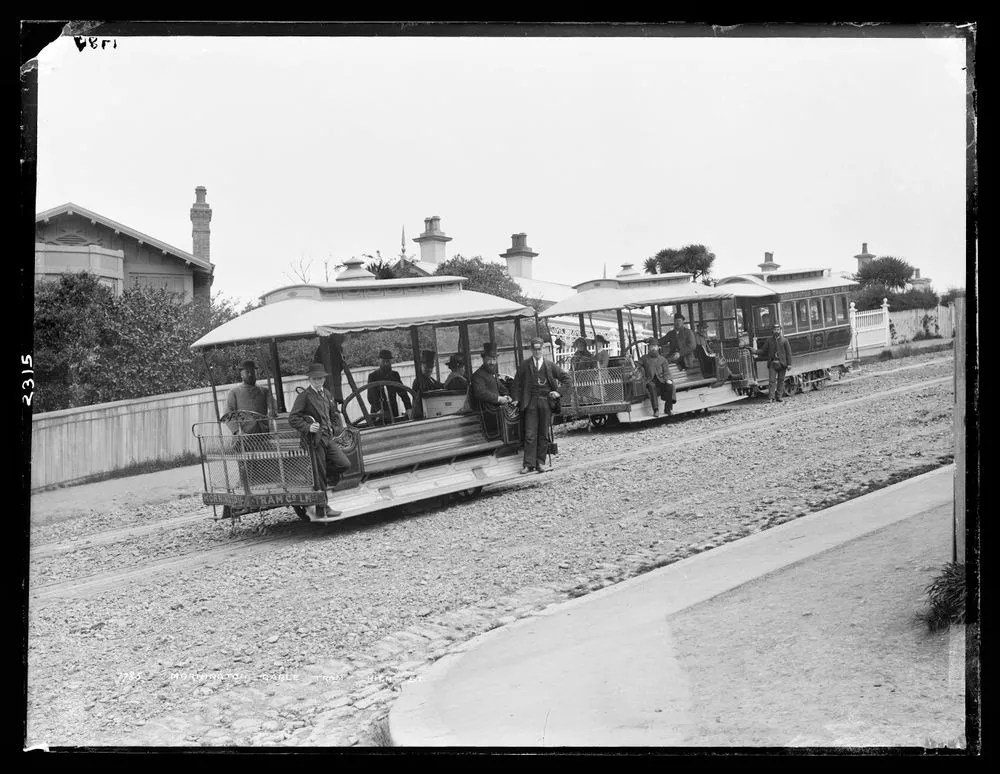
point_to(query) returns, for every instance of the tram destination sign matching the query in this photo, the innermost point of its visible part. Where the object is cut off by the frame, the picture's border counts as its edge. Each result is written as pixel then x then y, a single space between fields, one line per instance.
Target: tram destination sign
pixel 261 500
pixel 811 293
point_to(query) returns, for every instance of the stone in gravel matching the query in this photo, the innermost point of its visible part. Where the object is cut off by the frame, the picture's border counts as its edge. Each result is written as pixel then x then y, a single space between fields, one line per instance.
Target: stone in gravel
pixel 273 638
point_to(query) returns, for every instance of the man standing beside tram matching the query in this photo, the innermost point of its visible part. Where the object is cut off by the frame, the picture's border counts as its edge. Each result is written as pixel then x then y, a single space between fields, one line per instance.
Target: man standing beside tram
pixel 777 353
pixel 535 385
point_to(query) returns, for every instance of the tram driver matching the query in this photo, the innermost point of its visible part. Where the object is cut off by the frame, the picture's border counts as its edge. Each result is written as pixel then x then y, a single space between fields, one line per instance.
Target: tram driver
pixel 383 399
pixel 247 396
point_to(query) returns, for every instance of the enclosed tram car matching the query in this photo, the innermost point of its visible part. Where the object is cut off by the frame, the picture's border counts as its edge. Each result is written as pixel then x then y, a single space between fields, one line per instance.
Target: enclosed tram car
pixel 394 459
pixel 812 308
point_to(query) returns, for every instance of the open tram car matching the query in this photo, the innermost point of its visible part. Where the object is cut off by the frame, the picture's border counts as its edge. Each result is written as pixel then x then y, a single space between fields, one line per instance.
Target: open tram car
pixel 394 460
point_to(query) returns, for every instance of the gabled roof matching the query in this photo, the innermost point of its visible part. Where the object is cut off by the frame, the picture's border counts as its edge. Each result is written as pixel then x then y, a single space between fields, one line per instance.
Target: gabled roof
pixel 73 209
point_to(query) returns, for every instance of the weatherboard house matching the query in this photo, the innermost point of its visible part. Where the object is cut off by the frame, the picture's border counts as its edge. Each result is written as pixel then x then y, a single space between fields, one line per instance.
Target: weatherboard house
pixel 70 238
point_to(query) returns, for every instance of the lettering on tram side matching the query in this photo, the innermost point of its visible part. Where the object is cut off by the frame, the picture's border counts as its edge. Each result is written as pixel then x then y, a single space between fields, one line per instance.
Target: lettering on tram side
pixel 256 501
pixel 29 383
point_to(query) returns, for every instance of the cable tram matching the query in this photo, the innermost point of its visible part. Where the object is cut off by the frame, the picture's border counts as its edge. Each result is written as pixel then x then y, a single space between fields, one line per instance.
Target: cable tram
pixel 813 311
pixel 617 392
pixel 394 458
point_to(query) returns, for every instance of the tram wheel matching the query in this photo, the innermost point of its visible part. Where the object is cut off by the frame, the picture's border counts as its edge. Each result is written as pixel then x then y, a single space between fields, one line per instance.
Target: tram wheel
pixel 599 420
pixel 300 512
pixel 476 490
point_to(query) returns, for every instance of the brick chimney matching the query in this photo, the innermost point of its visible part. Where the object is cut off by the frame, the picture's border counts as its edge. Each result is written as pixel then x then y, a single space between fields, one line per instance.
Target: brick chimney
pixel 864 257
pixel 201 216
pixel 769 264
pixel 519 256
pixel 432 241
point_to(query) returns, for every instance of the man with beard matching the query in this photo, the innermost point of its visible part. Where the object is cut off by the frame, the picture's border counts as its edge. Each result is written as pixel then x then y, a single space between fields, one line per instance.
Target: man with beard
pixel 487 386
pixel 249 397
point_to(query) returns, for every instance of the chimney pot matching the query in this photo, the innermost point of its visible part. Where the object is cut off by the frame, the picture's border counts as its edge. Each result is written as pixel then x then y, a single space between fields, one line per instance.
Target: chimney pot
pixel 864 247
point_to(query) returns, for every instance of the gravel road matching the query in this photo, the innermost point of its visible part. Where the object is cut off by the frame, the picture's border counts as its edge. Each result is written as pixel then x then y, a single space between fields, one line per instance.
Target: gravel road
pixel 284 633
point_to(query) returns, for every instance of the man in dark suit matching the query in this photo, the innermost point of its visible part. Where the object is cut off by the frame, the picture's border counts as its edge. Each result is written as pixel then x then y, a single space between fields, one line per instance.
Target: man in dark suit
pixel 383 399
pixel 679 343
pixel 317 419
pixel 425 382
pixel 657 379
pixel 777 353
pixel 487 386
pixel 535 385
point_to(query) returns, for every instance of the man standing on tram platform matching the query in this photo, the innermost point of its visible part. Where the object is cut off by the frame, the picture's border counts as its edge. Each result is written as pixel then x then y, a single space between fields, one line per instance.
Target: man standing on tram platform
pixel 318 420
pixel 535 385
pixel 249 397
pixel 777 353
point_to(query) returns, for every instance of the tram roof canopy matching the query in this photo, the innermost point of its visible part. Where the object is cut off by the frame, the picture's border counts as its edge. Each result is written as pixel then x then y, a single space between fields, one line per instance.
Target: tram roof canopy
pixel 602 299
pixel 755 285
pixel 352 307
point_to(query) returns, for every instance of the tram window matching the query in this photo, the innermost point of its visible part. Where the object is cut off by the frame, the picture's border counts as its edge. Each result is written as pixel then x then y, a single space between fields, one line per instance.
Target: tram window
pixel 711 310
pixel 802 314
pixel 479 334
pixel 447 339
pixel 740 324
pixel 728 307
pixel 713 328
pixel 840 305
pixel 815 318
pixel 828 316
pixel 765 318
pixel 787 316
pixel 729 326
pixel 504 332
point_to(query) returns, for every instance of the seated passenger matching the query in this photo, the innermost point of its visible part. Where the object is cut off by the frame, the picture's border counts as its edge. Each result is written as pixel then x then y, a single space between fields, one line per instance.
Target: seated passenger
pixel 679 343
pixel 456 379
pixel 582 359
pixel 249 397
pixel 382 399
pixel 603 353
pixel 487 386
pixel 657 379
pixel 711 363
pixel 425 382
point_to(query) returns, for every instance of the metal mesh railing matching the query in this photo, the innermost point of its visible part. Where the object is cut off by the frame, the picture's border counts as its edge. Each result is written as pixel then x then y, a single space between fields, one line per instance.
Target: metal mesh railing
pixel 596 386
pixel 740 362
pixel 254 463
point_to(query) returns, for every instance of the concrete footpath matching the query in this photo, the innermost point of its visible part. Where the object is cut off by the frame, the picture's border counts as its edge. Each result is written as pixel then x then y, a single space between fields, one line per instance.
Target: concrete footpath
pixel 801 635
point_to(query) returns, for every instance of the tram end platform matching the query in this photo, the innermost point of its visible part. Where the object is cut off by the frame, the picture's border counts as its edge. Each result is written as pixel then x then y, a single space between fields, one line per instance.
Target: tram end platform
pixel 625 666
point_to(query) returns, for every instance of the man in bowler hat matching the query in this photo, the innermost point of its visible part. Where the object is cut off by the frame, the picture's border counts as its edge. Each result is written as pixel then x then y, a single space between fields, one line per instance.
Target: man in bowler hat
pixel 383 399
pixel 317 419
pixel 535 385
pixel 425 382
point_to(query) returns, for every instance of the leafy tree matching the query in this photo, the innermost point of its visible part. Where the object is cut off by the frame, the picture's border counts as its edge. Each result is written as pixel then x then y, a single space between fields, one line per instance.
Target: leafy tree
pixel 951 294
pixel 67 328
pixel 870 297
pixel 692 259
pixel 379 266
pixel 887 271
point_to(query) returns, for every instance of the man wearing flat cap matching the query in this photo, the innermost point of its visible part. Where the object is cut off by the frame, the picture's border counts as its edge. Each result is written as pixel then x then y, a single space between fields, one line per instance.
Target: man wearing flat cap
pixel 318 420
pixel 425 382
pixel 679 343
pixel 537 382
pixel 383 399
pixel 247 396
pixel 487 386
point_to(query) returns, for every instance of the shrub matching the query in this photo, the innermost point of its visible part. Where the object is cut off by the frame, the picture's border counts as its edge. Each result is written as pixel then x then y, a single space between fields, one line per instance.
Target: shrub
pixel 946 598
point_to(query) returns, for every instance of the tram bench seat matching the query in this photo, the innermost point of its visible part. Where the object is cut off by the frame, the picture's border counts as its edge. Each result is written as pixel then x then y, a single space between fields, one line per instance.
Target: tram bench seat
pixel 690 378
pixel 425 440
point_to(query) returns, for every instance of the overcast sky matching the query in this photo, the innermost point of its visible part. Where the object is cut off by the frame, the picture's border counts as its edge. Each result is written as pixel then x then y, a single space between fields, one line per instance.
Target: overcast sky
pixel 603 151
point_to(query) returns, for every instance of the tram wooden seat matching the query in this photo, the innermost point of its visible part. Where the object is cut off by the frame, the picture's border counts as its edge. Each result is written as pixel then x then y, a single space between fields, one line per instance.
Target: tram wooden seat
pixel 688 379
pixel 426 440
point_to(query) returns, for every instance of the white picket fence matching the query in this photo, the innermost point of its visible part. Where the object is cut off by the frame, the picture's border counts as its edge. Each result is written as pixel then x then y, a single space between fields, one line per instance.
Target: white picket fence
pixel 870 328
